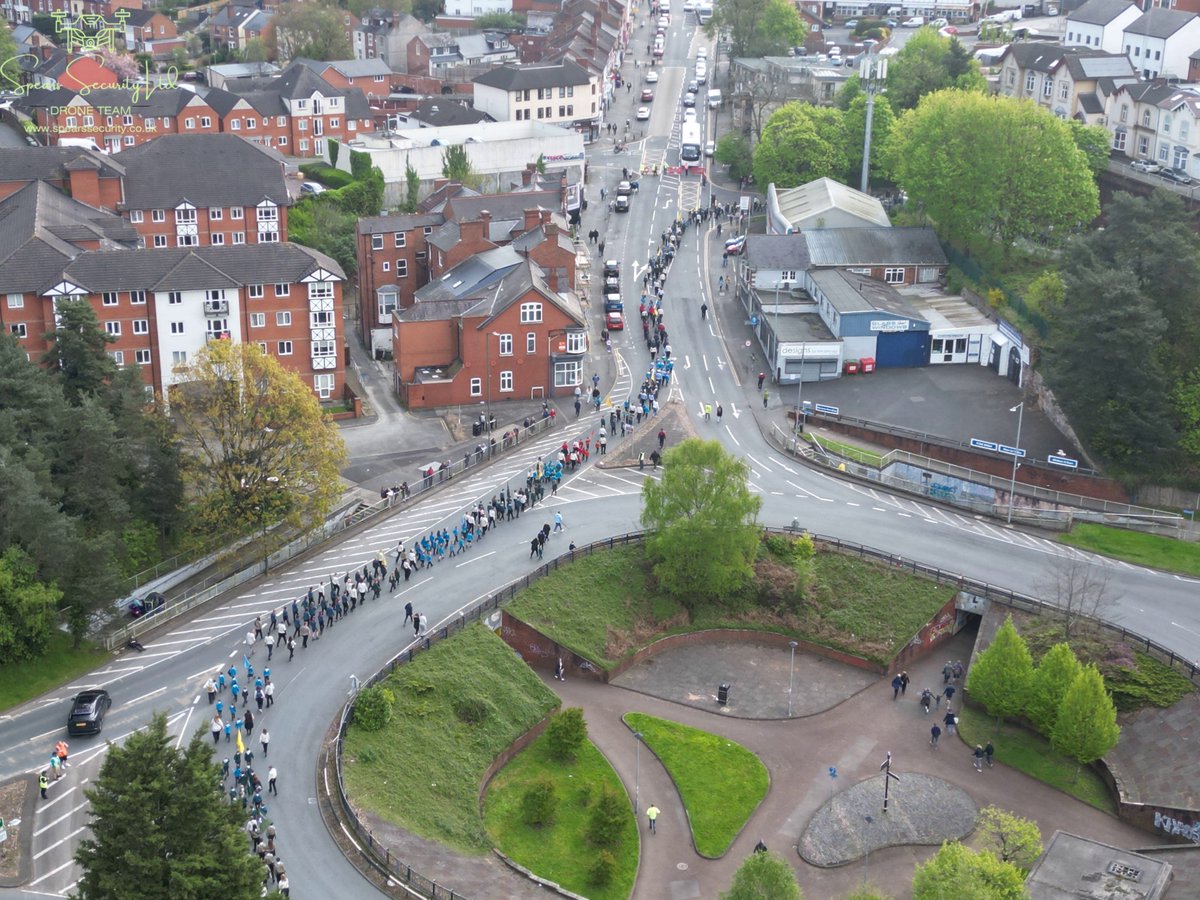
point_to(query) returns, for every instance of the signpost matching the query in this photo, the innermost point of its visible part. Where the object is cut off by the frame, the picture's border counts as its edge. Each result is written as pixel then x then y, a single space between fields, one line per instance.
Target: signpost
pixel 827 410
pixel 888 774
pixel 984 445
pixel 1065 461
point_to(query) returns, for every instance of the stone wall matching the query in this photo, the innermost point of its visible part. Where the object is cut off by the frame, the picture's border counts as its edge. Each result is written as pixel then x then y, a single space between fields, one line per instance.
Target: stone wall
pixel 540 652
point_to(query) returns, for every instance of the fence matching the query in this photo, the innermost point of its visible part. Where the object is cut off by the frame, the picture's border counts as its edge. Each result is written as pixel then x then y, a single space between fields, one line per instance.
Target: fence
pixel 973 271
pixel 217 584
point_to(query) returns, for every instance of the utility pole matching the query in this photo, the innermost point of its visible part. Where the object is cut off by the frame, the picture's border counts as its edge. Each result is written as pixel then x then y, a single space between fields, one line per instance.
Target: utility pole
pixel 873 73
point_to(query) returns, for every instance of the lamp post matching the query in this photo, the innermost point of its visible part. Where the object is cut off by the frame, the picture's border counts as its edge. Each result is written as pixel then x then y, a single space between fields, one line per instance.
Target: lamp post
pixel 487 419
pixel 637 775
pixel 791 675
pixel 873 73
pixel 1019 409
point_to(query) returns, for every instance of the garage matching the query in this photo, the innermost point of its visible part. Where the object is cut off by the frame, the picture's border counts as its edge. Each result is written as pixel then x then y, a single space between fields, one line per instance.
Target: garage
pixel 902 349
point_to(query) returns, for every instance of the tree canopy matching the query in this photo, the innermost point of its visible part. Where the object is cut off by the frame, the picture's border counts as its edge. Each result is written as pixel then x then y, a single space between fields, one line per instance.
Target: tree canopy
pixel 259 449
pixel 969 159
pixel 1086 727
pixel 701 523
pixel 800 143
pixel 1056 672
pixel 27 608
pixel 929 62
pixel 764 876
pixel 957 873
pixel 757 27
pixel 734 151
pixel 1011 838
pixel 312 30
pixel 161 828
pixel 1000 676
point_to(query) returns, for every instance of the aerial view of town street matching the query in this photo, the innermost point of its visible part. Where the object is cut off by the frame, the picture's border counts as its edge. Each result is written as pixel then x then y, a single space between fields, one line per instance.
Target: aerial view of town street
pixel 604 449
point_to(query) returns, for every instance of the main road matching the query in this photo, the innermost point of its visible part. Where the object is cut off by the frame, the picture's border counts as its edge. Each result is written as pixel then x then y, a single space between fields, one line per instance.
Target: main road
pixel 595 503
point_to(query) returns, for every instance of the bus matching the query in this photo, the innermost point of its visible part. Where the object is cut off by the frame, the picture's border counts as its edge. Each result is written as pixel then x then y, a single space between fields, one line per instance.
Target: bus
pixel 690 143
pixel 704 11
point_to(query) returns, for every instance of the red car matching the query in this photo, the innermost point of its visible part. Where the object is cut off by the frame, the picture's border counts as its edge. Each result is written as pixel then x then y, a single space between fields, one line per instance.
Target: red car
pixel 647 95
pixel 615 321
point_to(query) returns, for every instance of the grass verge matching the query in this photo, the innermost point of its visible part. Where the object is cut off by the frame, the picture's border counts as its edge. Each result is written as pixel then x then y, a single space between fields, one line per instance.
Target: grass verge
pixel 849 451
pixel 423 770
pixel 60 664
pixel 560 851
pixel 720 782
pixel 1031 753
pixel 604 607
pixel 1136 547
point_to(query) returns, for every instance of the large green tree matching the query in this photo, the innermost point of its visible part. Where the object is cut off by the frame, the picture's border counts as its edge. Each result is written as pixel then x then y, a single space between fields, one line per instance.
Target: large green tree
pixel 764 876
pixel 734 151
pixel 314 30
pixel 78 349
pixel 929 62
pixel 1000 676
pixel 993 167
pixel 1013 839
pixel 258 449
pixel 1086 727
pixel 160 826
pixel 1056 672
pixel 800 143
pixel 757 28
pixel 957 873
pixel 27 608
pixel 700 519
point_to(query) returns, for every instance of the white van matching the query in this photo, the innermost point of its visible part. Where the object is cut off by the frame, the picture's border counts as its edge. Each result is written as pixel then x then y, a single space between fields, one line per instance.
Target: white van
pixel 914 22
pixel 714 98
pixel 86 143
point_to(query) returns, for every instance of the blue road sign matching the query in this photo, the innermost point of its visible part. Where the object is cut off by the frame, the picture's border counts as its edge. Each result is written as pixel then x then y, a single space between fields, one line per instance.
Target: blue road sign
pixel 1012 451
pixel 828 410
pixel 983 445
pixel 1064 461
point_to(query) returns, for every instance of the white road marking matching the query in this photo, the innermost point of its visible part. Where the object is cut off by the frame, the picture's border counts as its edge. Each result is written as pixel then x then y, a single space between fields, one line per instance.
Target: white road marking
pixel 476 559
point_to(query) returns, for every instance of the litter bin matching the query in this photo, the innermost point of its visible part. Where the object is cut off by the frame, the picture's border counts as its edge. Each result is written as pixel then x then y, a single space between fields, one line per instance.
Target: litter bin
pixel 476 429
pixel 850 367
pixel 723 694
pixel 867 364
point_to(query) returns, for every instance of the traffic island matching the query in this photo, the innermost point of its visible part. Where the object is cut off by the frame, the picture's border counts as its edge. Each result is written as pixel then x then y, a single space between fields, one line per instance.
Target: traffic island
pixel 672 418
pixel 922 810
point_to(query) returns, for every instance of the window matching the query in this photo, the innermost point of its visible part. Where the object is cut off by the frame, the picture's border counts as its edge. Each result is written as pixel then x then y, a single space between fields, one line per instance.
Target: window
pixel 262 345
pixel 576 342
pixel 1145 118
pixel 568 374
pixel 401 239
pixel 235 212
pixel 235 125
pixel 251 124
pixel 387 303
pixel 141 357
pixel 387 266
pixel 179 357
pixel 205 122
pixel 283 318
pixel 1124 113
pixel 174 298
pixel 189 123
pixel 258 320
pixel 16 301
pixel 531 342
pixel 118 356
pixel 506 382
pixel 187 240
pixel 531 312
pixel 239 237
pixel 377 242
pixel 476 387
pixel 323 385
pixel 113 328
pixel 281 121
pixel 1047 87
pixel 1064 90
pixel 127 121
pixel 216 214
pixel 160 240
pixel 894 276
pixel 322 319
pixel 176 328
pixel 135 216
pixel 284 348
pixel 324 348
pixel 218 239
pixel 402 268
pixel 1166 124
pixel 282 290
pixel 421 254
pixel 141 326
pixel 1030 80
pixel 428 230
pixel 506 345
pixel 268 213
pixel 137 298
pixel 158 215
pixel 72 122
pixel 109 298
pixel 320 290
pixel 281 141
pixel 19 330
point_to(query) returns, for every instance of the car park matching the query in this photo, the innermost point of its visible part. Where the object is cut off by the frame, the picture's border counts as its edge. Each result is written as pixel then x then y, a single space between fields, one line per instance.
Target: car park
pixel 652 77
pixel 87 711
pixel 647 95
pixel 1146 166
pixel 1176 175
pixel 710 148
pixel 689 99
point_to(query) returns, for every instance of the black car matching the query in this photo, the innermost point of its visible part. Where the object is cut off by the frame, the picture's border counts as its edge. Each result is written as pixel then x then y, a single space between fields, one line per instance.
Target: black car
pixel 1177 175
pixel 87 711
pixel 612 268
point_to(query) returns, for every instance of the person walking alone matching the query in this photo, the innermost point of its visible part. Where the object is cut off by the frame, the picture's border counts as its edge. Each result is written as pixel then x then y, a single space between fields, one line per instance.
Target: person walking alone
pixel 934 734
pixel 272 774
pixel 264 739
pixel 652 816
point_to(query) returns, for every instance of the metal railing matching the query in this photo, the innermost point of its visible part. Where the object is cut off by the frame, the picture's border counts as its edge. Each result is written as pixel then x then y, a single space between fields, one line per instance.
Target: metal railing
pixel 218 584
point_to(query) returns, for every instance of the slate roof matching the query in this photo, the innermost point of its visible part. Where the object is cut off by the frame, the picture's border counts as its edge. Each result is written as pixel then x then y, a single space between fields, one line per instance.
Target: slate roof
pixel 523 78
pixel 389 224
pixel 267 95
pixel 507 278
pixel 54 163
pixel 777 252
pixel 1099 12
pixel 204 169
pixel 1159 23
pixel 349 68
pixel 471 277
pixel 874 246
pixel 443 111
pixel 503 207
pixel 825 194
pixel 139 18
pixel 161 102
pixel 850 293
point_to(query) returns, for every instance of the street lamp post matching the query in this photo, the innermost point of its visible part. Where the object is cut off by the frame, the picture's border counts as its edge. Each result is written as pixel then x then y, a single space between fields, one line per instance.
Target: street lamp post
pixel 487 418
pixel 637 775
pixel 873 72
pixel 791 675
pixel 1019 409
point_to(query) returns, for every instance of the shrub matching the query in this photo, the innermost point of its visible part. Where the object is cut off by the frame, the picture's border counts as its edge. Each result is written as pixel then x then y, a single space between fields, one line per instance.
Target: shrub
pixel 602 870
pixel 373 708
pixel 566 733
pixel 604 825
pixel 1150 683
pixel 470 710
pixel 539 803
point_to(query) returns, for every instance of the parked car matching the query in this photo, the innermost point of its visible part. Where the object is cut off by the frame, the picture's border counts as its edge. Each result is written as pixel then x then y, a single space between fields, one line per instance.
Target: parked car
pixel 614 321
pixel 643 113
pixel 311 187
pixel 736 245
pixel 621 204
pixel 689 99
pixel 693 86
pixel 852 24
pixel 1145 165
pixel 891 23
pixel 701 53
pixel 710 148
pixel 612 269
pixel 689 115
pixel 613 302
pixel 1177 175
pixel 647 95
pixel 939 22
pixel 146 606
pixel 624 189
pixel 689 6
pixel 652 76
pixel 914 22
pixel 87 711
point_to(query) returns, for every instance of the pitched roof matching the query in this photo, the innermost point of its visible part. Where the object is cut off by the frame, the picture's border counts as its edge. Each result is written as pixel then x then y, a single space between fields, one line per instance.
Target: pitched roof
pixel 874 246
pixel 140 17
pixel 387 224
pixel 483 288
pixel 1160 23
pixel 1099 12
pixel 777 252
pixel 825 194
pixel 471 277
pixel 161 102
pixel 349 68
pixel 503 207
pixel 443 111
pixel 203 169
pixel 523 78
pixel 268 95
pixel 54 163
pixel 850 293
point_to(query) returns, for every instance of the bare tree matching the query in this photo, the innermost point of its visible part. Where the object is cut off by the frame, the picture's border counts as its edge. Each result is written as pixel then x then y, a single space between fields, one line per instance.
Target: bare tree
pixel 1080 588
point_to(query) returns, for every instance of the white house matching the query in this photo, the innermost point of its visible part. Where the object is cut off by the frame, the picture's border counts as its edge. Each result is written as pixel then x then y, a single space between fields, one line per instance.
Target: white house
pixel 1159 42
pixel 469 9
pixel 1159 122
pixel 559 94
pixel 1101 24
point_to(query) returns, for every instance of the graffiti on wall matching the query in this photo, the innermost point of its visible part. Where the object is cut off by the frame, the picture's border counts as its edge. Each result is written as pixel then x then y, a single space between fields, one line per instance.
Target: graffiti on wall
pixel 1169 825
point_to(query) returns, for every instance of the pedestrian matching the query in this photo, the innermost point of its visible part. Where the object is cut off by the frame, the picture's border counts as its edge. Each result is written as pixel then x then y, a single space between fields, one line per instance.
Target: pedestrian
pixel 559 669
pixel 949 693
pixel 264 739
pixel 662 438
pixel 703 311
pixel 926 700
pixel 269 690
pixel 950 720
pixel 271 776
pixel 248 722
pixel 652 815
pixel 55 769
pixel 63 750
pixel 655 457
pixel 217 727
pixel 720 412
pixel 43 783
pixel 558 521
pixel 291 648
pixel 934 734
pixel 270 642
pixel 896 685
pixel 904 682
pixel 988 752
pixel 250 638
pixel 284 886
pixel 947 672
pixel 765 395
pixel 260 697
pixel 977 753
pixel 642 459
pixel 762 376
pixel 210 687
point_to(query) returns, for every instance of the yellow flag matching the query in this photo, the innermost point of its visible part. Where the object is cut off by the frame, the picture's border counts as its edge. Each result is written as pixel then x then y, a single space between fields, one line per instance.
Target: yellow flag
pixel 241 747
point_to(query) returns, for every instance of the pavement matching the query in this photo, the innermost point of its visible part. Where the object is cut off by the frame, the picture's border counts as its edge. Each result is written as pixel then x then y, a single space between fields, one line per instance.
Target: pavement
pixel 1169 737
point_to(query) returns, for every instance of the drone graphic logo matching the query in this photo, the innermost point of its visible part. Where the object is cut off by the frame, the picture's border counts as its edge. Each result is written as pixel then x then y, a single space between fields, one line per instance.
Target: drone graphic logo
pixel 89 32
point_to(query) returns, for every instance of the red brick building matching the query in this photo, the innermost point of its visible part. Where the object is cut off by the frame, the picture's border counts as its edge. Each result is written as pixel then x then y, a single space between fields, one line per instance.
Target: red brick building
pixel 149 31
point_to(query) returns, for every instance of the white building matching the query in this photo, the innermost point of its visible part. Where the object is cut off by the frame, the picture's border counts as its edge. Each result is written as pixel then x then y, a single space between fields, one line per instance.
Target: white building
pixel 1101 24
pixel 1159 42
pixel 823 203
pixel 1159 122
pixel 560 94
pixel 469 9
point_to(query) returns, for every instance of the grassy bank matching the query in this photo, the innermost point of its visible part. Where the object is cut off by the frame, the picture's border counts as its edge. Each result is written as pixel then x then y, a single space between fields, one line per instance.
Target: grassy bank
pixel 1030 753
pixel 1136 547
pixel 560 850
pixel 604 607
pixel 424 768
pixel 720 782
pixel 60 664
